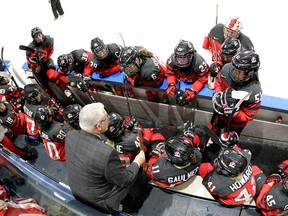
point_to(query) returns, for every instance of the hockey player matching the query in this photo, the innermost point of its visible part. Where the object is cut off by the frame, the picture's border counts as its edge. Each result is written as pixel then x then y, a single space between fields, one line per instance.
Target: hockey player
pixel 273 197
pixel 229 48
pixel 220 32
pixel 11 119
pixel 52 133
pixel 40 60
pixel 26 154
pixel 231 179
pixel 142 68
pixel 71 115
pixel 105 59
pixel 34 97
pixel 173 162
pixel 9 92
pixel 77 61
pixel 126 142
pixel 241 75
pixel 185 64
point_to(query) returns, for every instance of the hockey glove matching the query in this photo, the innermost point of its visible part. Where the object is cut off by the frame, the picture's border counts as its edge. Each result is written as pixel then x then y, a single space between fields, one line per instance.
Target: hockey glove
pixel 171 90
pixel 184 98
pixel 275 177
pixel 283 169
pixel 159 149
pixel 214 69
pixel 86 80
pixel 130 123
pixel 189 129
pixel 217 102
pixel 229 140
pixel 228 102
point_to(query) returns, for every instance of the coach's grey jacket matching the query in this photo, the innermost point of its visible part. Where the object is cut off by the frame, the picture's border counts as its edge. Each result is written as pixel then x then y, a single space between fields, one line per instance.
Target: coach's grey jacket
pixel 96 176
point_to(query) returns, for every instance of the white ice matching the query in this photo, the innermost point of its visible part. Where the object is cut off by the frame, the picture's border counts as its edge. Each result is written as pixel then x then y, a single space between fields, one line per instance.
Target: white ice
pixel 155 24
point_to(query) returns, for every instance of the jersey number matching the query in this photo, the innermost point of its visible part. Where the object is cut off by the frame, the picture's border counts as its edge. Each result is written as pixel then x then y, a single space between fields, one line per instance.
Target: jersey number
pixel 245 196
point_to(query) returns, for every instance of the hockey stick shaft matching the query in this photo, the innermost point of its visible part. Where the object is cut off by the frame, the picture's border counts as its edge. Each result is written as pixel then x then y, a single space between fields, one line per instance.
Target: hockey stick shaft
pixel 141 145
pixel 237 106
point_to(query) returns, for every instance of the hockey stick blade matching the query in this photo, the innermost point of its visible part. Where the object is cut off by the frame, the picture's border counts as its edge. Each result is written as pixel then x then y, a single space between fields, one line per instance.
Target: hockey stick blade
pixel 211 134
pixel 239 94
pixel 26 48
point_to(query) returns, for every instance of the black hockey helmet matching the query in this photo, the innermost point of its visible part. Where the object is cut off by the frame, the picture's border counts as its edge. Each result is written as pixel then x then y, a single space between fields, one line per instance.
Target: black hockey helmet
pixel 128 55
pixel 33 93
pixel 115 126
pixel 179 151
pixel 246 64
pixel 229 140
pixel 63 62
pixel 230 162
pixel 184 53
pixel 231 46
pixel 128 60
pixel 35 31
pixel 71 115
pixel 285 185
pixel 43 117
pixel 99 49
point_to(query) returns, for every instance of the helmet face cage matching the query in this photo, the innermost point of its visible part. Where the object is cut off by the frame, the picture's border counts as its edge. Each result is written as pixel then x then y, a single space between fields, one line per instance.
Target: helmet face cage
pixel 183 53
pixel 43 117
pixel 99 49
pixel 246 65
pixel 231 46
pixel 62 62
pixel 115 126
pixel 35 96
pixel 129 60
pixel 179 151
pixel 230 162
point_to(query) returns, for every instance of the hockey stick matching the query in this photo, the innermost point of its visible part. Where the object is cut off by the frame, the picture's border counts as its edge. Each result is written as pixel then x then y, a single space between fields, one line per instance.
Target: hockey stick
pixel 12 78
pixel 141 145
pixel 245 96
pixel 216 14
pixel 214 44
pixel 26 48
pixel 125 86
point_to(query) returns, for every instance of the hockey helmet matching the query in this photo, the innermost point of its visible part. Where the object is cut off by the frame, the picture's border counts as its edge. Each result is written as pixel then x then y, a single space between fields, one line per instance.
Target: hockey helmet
pixel 43 117
pixel 115 126
pixel 71 115
pixel 230 162
pixel 179 151
pixel 128 60
pixel 246 64
pixel 99 49
pixel 35 31
pixel 229 48
pixel 232 28
pixel 33 94
pixel 183 53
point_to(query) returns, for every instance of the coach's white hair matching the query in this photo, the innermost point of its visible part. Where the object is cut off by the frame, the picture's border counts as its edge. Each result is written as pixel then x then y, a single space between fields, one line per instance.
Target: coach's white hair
pixel 90 115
